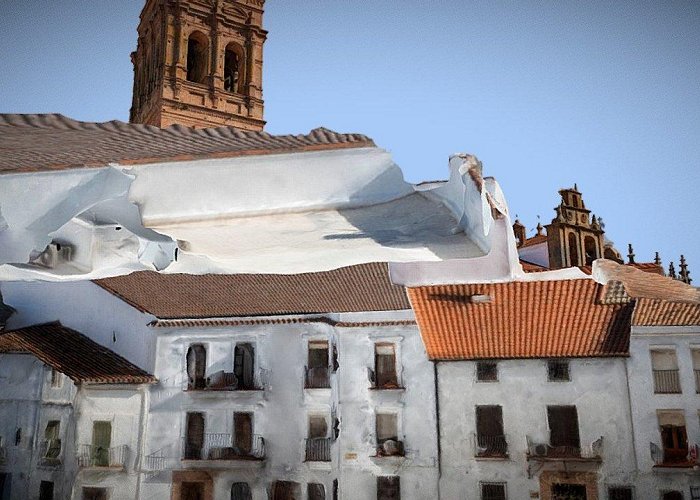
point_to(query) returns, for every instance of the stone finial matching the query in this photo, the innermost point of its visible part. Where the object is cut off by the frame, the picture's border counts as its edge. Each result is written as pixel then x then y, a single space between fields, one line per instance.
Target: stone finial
pixel 576 187
pixel 560 215
pixel 630 254
pixel 601 223
pixel 594 223
pixel 657 259
pixel 540 229
pixel 520 231
pixel 671 271
pixel 684 274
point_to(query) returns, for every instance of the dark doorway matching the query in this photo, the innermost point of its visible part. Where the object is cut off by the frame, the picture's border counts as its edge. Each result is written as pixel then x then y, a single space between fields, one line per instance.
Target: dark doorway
pixel 5 482
pixel 568 492
pixel 94 494
pixel 673 495
pixel 194 440
pixel 192 491
pixel 244 366
pixel 243 427
pixel 241 491
pixel 46 490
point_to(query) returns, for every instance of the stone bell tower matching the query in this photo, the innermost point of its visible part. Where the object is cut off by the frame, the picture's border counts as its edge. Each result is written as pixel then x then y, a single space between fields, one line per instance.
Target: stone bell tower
pixel 199 63
pixel 574 238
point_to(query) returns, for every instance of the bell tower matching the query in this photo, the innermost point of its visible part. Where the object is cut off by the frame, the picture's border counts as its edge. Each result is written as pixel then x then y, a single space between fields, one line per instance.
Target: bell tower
pixel 198 63
pixel 574 238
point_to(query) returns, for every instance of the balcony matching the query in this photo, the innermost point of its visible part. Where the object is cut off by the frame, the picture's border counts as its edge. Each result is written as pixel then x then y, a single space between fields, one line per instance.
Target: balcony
pixel 318 450
pixel 227 381
pixel 383 381
pixel 546 452
pixel 220 446
pixel 50 452
pixel 490 446
pixel 90 456
pixel 676 458
pixel 667 381
pixel 317 377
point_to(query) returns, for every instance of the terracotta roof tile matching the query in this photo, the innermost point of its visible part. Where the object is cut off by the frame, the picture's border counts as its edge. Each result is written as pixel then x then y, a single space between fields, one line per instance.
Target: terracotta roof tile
pixel 54 142
pixel 647 267
pixel 74 355
pixel 520 320
pixel 654 312
pixel 530 267
pixel 364 287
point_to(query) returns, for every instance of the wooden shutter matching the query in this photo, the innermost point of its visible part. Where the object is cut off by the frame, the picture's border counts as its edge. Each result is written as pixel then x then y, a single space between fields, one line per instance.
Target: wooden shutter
pixel 191 491
pixel 243 426
pixel 563 426
pixel 241 491
pixel 385 365
pixel 194 440
pixel 196 366
pixel 244 365
pixel 388 488
pixel 489 421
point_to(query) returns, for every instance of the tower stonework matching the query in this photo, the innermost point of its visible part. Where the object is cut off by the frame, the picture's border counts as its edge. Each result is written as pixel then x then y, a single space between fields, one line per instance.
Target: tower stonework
pixel 199 63
pixel 574 238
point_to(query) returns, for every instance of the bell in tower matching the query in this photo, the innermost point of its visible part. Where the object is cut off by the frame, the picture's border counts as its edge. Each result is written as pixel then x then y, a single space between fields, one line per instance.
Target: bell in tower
pixel 198 63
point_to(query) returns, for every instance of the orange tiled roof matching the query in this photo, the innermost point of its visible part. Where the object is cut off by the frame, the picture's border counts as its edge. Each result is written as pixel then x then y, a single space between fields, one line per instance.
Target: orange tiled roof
pixel 533 319
pixel 74 355
pixel 654 312
pixel 530 267
pixel 535 240
pixel 647 267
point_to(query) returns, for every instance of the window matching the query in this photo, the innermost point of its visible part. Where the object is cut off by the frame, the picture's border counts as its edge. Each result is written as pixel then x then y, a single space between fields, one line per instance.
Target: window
pixel 243 433
pixel 591 249
pixel 318 444
pixel 101 442
pixel 558 370
pixel 197 58
pixel 317 371
pixel 665 371
pixel 191 491
pixel 316 491
pixel 696 369
pixel 46 490
pixel 285 490
pixel 568 491
pixel 674 439
pixel 486 371
pixel 56 379
pixel 387 431
pixel 385 366
pixel 671 495
pixel 563 430
pixel 493 491
pixel 94 494
pixel 196 367
pixel 52 437
pixel 695 493
pixel 244 366
pixel 490 439
pixel 620 493
pixel 194 437
pixel 388 488
pixel 241 491
pixel 573 251
pixel 232 69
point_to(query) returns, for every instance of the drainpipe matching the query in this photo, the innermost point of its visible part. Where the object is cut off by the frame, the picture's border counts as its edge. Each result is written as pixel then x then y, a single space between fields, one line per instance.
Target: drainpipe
pixel 629 407
pixel 145 401
pixel 437 417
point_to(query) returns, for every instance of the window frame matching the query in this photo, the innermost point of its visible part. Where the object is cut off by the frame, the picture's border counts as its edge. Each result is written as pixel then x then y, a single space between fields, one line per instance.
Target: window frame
pixel 503 484
pixel 479 377
pixel 554 367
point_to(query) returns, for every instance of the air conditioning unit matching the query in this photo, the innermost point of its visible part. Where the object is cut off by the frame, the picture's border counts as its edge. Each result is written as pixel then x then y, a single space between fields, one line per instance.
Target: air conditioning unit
pixel 53 254
pixel 539 449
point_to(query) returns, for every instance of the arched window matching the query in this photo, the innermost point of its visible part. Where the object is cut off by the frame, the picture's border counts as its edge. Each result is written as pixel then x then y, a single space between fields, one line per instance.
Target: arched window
pixel 233 68
pixel 197 57
pixel 591 250
pixel 241 491
pixel 573 250
pixel 196 366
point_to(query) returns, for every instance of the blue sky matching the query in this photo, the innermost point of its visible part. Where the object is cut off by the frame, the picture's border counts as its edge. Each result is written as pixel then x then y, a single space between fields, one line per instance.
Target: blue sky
pixel 545 93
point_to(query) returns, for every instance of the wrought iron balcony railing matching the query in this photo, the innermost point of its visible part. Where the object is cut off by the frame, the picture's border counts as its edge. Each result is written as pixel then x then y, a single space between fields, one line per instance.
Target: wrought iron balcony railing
pixel 317 377
pixel 98 456
pixel 227 381
pixel 593 451
pixel 490 446
pixel 318 449
pixel 50 451
pixel 220 446
pixel 667 382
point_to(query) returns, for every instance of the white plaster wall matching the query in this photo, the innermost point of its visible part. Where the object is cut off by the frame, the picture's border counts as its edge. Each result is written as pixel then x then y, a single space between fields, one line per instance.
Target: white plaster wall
pixel 88 309
pixel 598 389
pixel 645 403
pixel 120 405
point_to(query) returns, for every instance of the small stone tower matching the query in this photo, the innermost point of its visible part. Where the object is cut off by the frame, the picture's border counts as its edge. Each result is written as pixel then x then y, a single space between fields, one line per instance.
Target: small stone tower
pixel 199 63
pixel 574 238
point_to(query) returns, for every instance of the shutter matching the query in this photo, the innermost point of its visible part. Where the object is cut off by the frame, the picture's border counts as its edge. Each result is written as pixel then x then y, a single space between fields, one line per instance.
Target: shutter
pixel 385 365
pixel 243 425
pixel 489 421
pixel 195 436
pixel 244 365
pixel 563 426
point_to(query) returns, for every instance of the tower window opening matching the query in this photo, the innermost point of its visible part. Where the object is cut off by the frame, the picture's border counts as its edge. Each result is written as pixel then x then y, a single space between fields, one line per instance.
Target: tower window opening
pixel 573 250
pixel 591 250
pixel 197 58
pixel 232 70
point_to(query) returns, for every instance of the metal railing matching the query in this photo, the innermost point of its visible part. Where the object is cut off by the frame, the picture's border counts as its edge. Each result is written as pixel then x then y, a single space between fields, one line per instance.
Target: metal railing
pixel 593 451
pixel 318 449
pixel 156 461
pixel 50 451
pixel 490 446
pixel 220 446
pixel 227 381
pixel 667 382
pixel 97 456
pixel 697 381
pixel 317 377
